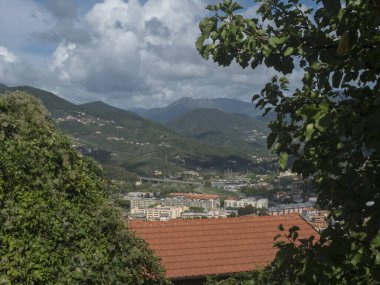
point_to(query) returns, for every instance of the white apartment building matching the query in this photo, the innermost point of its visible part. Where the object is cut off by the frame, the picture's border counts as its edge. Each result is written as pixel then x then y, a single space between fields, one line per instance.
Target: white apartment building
pixel 179 202
pixel 143 203
pixel 261 203
pixel 159 213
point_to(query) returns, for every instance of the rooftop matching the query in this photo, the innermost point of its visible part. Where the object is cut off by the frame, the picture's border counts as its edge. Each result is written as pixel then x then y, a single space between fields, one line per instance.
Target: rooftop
pixel 193 248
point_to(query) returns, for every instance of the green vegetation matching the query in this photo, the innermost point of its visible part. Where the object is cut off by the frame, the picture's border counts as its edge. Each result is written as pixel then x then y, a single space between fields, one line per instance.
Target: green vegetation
pixel 247 210
pixel 329 126
pixel 127 144
pixel 196 209
pixel 256 191
pixel 58 225
pixel 220 128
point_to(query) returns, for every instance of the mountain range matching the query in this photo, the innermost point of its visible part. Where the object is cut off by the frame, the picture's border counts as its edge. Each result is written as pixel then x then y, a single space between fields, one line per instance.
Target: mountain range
pixel 126 143
pixel 186 104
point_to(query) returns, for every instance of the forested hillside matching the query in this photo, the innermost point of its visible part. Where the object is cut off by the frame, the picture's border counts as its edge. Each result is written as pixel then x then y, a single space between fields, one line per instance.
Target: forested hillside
pixel 58 224
pixel 226 129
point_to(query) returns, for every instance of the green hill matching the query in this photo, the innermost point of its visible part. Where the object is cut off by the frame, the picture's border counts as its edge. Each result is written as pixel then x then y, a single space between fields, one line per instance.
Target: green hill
pixel 126 143
pixel 147 146
pixel 56 105
pixel 224 129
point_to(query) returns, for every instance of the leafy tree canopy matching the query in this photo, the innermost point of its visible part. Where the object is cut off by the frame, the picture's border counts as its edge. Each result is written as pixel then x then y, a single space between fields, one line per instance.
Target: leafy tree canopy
pixel 330 124
pixel 57 224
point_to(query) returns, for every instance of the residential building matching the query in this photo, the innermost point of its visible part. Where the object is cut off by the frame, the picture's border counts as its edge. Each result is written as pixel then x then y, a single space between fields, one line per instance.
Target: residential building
pixel 289 208
pixel 158 213
pixel 144 202
pixel 206 201
pixel 233 203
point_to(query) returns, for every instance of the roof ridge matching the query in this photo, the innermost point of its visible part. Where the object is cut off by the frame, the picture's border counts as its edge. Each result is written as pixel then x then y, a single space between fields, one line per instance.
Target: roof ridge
pixel 213 221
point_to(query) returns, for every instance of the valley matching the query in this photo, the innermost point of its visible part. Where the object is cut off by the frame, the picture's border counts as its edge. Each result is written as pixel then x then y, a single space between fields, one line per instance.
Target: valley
pixel 128 145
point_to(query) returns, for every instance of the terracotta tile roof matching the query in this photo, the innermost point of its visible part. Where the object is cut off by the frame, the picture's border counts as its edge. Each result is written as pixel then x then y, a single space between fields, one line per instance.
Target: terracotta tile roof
pixel 190 248
pixel 195 196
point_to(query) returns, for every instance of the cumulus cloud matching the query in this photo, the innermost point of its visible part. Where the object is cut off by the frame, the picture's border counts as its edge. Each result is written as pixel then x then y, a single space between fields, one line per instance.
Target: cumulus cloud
pixel 67 25
pixel 62 8
pixel 7 56
pixel 139 52
pixel 134 47
pixel 127 53
pixel 12 68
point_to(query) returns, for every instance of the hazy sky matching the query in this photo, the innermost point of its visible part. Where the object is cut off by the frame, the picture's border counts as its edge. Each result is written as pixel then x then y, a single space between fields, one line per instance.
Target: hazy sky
pixel 126 53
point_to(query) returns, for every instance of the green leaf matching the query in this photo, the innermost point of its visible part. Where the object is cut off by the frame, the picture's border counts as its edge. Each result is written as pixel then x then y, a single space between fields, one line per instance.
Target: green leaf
pixel 280 40
pixel 255 97
pixel 376 241
pixel 283 256
pixel 271 139
pixel 315 65
pixel 283 160
pixel 199 43
pixel 288 51
pixel 377 261
pixel 207 25
pixel 332 6
pixel 309 131
pixel 227 2
pixel 272 42
pixel 343 45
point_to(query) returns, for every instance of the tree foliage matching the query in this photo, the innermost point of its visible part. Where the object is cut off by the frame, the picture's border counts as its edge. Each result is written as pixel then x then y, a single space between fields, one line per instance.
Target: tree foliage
pixel 57 225
pixel 330 124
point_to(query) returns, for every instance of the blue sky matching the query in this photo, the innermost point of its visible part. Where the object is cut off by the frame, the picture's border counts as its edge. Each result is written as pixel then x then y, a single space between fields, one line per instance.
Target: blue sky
pixel 125 53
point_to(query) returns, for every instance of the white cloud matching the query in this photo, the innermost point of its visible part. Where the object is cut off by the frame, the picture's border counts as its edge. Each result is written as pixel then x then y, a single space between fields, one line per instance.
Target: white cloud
pixel 134 48
pixel 12 68
pixel 126 53
pixel 6 56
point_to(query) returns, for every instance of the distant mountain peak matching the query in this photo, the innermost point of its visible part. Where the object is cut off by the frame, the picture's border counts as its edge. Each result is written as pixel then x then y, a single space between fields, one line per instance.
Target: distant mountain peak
pixel 101 106
pixel 186 104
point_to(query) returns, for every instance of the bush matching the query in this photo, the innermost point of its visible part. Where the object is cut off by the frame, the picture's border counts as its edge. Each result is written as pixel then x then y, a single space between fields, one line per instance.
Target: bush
pixel 57 224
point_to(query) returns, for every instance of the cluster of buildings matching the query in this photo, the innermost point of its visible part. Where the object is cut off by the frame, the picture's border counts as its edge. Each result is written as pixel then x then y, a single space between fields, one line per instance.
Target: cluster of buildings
pixel 144 206
pixel 177 205
pixel 85 119
pixel 178 200
pixel 290 208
